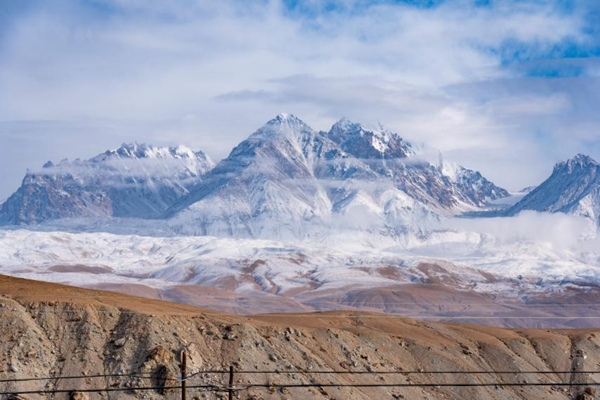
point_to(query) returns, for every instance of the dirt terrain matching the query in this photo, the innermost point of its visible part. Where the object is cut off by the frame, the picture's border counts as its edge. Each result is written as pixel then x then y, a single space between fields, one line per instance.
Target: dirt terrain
pixel 572 308
pixel 51 330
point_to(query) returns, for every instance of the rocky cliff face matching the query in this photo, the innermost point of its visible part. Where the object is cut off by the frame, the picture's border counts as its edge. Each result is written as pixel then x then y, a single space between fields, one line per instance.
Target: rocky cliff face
pixel 135 180
pixel 54 330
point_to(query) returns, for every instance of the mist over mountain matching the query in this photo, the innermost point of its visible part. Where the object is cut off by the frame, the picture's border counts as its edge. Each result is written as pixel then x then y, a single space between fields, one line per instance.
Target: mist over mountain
pixel 135 180
pixel 288 180
pixel 317 218
pixel 284 180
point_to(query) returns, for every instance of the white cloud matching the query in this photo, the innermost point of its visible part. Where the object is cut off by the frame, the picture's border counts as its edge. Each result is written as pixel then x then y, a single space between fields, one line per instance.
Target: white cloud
pixel 561 231
pixel 208 73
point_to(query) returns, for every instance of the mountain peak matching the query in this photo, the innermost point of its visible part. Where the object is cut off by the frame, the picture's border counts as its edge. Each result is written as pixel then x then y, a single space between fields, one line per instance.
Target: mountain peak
pixel 344 123
pixel 368 143
pixel 572 188
pixel 579 161
pixel 135 150
pixel 134 180
pixel 285 118
pixel 130 150
pixel 283 125
pixel 348 127
pixel 582 159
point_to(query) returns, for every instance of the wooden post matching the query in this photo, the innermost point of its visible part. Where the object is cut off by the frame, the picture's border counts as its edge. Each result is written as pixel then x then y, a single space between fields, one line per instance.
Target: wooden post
pixel 183 374
pixel 231 382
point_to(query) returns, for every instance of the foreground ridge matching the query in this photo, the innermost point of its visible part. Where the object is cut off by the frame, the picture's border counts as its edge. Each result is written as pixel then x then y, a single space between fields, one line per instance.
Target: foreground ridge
pixel 126 340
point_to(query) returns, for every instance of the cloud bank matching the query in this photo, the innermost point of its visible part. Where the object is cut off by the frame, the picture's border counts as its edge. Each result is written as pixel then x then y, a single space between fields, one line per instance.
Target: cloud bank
pixel 506 87
pixel 560 231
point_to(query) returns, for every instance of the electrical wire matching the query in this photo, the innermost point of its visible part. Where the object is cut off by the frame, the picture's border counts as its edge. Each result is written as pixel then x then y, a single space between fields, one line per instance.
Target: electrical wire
pixel 51 378
pixel 304 371
pixel 216 388
pixel 334 372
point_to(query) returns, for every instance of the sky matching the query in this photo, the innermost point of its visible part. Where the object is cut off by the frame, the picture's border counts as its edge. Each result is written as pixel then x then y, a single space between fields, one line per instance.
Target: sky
pixel 506 87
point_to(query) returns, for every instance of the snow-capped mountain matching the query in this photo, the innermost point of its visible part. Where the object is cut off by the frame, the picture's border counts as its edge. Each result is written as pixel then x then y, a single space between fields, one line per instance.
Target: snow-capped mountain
pixel 287 179
pixel 573 188
pixel 366 143
pixel 135 180
pixel 266 183
pixel 349 195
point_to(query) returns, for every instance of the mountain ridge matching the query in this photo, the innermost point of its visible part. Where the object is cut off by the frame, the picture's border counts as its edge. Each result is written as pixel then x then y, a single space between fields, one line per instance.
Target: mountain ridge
pixel 134 180
pixel 285 180
pixel 349 167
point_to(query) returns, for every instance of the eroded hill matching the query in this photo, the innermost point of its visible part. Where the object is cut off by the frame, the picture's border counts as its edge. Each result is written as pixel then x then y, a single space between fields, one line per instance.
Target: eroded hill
pixel 55 330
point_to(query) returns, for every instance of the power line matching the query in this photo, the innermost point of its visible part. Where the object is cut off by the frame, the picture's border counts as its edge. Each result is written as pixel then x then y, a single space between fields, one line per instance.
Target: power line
pixel 304 371
pixel 414 372
pixel 405 385
pixel 230 388
pixel 336 372
pixel 55 391
pixel 216 388
pixel 51 378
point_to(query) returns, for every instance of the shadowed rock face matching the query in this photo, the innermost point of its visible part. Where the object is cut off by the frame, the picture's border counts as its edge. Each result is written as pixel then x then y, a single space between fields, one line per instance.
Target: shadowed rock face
pixel 57 330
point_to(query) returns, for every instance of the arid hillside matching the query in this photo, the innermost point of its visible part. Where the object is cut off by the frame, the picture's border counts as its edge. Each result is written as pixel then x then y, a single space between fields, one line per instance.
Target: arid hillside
pixel 52 330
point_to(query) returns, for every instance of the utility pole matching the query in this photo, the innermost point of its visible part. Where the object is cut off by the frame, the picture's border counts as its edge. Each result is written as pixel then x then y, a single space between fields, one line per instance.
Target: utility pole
pixel 183 374
pixel 231 382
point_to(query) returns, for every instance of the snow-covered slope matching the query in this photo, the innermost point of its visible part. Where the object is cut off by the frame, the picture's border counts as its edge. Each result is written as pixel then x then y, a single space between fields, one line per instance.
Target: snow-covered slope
pixel 472 186
pixel 573 188
pixel 365 143
pixel 287 180
pixel 135 180
pixel 467 261
pixel 266 187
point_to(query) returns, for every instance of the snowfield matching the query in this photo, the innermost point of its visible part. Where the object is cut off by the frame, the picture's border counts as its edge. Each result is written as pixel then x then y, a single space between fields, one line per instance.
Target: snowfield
pixel 517 256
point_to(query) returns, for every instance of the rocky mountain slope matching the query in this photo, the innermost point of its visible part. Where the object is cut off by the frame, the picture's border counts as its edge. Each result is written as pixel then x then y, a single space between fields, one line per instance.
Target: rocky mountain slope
pixel 573 188
pixel 135 180
pixel 287 180
pixel 54 330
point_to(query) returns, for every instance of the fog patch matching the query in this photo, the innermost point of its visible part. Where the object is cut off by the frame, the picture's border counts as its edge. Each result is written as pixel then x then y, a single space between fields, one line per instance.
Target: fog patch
pixel 559 230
